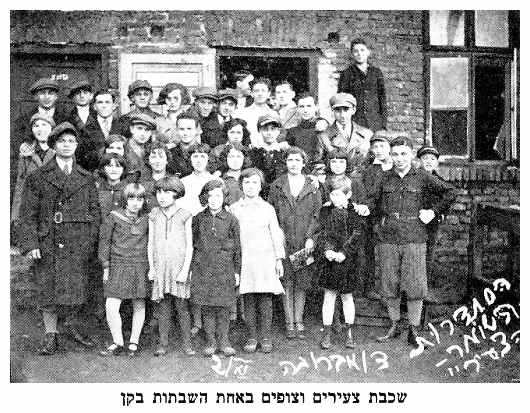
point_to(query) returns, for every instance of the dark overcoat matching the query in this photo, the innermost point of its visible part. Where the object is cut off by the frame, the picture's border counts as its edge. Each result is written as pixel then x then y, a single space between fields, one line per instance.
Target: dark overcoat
pixel 369 90
pixel 60 216
pixel 92 141
pixel 216 258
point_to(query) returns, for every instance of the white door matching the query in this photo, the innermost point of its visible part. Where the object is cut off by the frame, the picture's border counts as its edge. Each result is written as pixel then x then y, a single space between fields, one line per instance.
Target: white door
pixel 191 70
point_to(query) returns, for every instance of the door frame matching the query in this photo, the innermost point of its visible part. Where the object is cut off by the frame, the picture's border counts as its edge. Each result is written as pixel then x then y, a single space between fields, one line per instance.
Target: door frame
pixel 126 61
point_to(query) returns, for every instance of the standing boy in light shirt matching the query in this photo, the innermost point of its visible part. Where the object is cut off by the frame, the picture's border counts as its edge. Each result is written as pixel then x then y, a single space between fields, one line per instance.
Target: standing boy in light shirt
pixel 261 90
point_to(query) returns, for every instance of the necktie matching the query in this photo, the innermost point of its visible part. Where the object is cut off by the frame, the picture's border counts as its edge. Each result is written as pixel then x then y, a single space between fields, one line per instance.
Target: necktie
pixel 66 169
pixel 107 126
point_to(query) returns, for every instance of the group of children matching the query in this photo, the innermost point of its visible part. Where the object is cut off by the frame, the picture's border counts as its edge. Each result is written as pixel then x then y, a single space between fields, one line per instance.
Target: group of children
pixel 209 205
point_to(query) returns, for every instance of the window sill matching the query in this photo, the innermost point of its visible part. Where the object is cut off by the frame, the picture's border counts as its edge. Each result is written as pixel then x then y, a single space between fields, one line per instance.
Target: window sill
pixel 482 171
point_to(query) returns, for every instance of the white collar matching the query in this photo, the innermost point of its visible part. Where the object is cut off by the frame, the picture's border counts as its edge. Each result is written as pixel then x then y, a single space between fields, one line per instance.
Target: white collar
pixel 61 162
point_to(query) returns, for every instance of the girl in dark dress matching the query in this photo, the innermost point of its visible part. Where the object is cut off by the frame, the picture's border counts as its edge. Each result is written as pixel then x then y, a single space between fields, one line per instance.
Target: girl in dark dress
pixel 216 265
pixel 341 244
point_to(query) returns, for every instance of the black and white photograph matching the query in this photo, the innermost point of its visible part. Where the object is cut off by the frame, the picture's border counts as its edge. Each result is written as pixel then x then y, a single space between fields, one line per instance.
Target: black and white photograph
pixel 264 196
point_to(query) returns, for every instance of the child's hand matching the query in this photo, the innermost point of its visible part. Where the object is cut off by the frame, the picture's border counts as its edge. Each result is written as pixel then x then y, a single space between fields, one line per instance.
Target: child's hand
pixel 321 125
pixel 426 215
pixel 340 257
pixel 279 268
pixel 151 275
pixel 105 274
pixel 217 174
pixel 330 255
pixel 283 145
pixel 182 277
pixel 35 254
pixel 361 210
pixel 237 279
pixel 309 245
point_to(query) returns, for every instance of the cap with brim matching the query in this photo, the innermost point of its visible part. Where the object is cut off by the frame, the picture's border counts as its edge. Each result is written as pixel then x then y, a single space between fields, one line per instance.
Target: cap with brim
pixel 45 118
pixel 138 84
pixel 379 138
pixel 143 119
pixel 44 83
pixel 267 119
pixel 224 94
pixel 60 130
pixel 205 92
pixel 424 150
pixel 83 84
pixel 342 100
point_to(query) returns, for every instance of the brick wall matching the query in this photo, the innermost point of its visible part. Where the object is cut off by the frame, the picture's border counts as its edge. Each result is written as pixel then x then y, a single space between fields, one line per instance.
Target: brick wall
pixel 395 38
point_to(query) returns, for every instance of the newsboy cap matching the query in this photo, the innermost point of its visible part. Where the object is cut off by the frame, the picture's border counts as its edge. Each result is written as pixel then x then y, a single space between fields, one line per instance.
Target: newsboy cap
pixel 44 83
pixel 228 94
pixel 425 149
pixel 379 137
pixel 341 100
pixel 82 84
pixel 205 92
pixel 269 118
pixel 60 130
pixel 139 84
pixel 45 118
pixel 143 119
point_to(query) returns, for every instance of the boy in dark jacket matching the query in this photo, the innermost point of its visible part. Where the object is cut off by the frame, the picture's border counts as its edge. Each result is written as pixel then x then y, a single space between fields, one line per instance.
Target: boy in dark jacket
pixel 366 83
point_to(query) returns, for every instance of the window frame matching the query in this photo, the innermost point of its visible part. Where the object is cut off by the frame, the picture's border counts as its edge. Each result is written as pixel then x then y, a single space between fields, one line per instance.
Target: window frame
pixel 475 54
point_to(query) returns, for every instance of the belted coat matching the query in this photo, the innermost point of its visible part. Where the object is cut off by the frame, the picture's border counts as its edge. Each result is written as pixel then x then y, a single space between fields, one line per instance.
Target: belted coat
pixel 60 215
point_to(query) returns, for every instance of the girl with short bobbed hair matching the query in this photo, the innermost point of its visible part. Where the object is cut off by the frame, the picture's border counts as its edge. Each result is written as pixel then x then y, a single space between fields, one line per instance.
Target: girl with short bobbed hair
pixel 123 255
pixel 176 99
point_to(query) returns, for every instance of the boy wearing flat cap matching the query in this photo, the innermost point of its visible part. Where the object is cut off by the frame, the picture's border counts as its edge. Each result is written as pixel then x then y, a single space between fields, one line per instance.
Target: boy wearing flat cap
pixel 81 94
pixel 203 109
pixel 344 133
pixel 399 201
pixel 59 226
pixel 366 83
pixel 140 93
pixel 45 92
pixel 138 146
pixel 428 156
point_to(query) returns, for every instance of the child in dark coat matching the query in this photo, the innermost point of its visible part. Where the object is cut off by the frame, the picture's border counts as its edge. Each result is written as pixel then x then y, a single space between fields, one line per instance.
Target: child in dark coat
pixel 341 242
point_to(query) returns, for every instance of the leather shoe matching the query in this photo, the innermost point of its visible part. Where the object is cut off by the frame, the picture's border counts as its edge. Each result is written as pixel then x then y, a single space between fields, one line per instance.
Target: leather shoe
pixel 392 332
pixel 132 350
pixel 112 350
pixel 78 337
pixel 413 335
pixel 160 351
pixel 49 345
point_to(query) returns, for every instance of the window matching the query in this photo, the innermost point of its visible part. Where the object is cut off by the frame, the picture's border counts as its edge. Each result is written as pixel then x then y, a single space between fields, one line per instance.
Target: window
pixel 299 66
pixel 472 71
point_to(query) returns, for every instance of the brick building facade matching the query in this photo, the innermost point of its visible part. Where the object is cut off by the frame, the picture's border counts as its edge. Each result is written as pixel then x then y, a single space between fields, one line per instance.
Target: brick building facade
pixel 125 43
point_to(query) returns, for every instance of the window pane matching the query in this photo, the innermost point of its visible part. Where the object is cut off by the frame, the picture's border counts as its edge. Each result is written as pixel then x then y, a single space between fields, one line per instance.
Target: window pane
pixel 446 27
pixel 492 121
pixel 449 88
pixel 491 28
pixel 449 131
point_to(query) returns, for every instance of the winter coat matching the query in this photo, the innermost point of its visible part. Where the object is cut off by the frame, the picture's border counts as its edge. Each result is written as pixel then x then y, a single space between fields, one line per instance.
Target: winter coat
pixel 27 163
pixel 60 215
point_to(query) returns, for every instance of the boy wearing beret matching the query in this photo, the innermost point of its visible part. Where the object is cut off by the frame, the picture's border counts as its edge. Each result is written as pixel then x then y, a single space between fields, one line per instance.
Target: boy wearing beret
pixel 366 83
pixel 399 202
pixel 60 222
